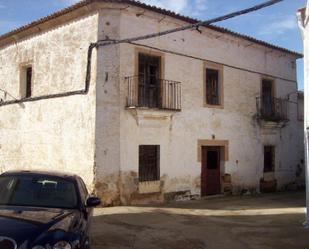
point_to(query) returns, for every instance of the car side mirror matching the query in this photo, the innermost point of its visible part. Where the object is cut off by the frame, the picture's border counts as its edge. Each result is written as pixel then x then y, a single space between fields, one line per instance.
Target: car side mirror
pixel 93 201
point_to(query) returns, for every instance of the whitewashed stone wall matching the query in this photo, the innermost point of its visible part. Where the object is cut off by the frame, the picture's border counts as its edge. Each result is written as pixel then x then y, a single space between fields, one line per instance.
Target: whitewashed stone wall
pixel 53 134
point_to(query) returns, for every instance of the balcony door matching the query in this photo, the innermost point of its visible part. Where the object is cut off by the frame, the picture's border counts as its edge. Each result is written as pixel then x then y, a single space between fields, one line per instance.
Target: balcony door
pixel 267 98
pixel 149 81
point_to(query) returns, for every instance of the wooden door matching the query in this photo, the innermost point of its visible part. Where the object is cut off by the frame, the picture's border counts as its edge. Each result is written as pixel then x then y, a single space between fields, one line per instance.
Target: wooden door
pixel 211 177
pixel 267 98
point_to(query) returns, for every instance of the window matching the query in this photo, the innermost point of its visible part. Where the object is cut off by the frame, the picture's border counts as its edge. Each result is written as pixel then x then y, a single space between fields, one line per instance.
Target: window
pixel 36 191
pixel 149 163
pixel 269 158
pixel 149 80
pixel 26 82
pixel 213 85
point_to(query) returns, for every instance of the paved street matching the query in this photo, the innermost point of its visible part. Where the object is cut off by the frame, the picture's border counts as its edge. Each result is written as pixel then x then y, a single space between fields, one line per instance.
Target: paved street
pixel 263 222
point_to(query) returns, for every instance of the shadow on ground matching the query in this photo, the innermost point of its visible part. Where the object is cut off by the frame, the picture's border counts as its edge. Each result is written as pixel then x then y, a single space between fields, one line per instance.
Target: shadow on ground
pixel 264 222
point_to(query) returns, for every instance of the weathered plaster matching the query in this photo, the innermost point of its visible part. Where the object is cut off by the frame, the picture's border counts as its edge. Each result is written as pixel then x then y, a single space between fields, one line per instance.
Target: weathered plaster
pixel 54 134
pixel 235 123
pixel 96 137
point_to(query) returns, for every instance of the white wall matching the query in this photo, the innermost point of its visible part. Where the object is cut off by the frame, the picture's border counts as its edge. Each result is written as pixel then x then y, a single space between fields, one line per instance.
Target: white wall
pixel 107 159
pixel 53 134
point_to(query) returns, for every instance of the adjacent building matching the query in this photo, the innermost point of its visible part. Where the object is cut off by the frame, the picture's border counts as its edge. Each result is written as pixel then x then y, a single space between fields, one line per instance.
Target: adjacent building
pixel 194 113
pixel 303 16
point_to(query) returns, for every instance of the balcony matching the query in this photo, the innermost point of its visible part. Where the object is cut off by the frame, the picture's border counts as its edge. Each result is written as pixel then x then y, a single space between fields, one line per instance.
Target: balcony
pixel 153 93
pixel 272 109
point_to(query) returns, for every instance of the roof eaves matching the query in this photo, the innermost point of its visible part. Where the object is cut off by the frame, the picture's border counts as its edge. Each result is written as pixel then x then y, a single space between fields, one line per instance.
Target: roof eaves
pixel 46 18
pixel 213 27
pixel 151 8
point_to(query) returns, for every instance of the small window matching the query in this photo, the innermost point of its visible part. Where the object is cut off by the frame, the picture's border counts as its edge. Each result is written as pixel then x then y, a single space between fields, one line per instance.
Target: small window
pixel 26 82
pixel 149 163
pixel 269 158
pixel 213 87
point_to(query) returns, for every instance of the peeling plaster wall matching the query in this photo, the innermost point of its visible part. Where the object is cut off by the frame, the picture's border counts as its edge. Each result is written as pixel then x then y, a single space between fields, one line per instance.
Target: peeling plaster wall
pixel 107 160
pixel 52 134
pixel 178 133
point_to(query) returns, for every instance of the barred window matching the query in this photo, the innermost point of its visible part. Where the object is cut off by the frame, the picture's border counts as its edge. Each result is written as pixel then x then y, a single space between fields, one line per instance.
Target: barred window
pixel 149 163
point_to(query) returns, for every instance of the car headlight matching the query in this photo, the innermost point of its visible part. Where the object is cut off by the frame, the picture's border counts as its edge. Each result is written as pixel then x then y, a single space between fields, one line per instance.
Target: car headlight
pixel 62 245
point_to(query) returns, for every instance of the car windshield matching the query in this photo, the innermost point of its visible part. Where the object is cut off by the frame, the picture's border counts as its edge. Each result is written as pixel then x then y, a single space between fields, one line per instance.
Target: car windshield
pixel 37 191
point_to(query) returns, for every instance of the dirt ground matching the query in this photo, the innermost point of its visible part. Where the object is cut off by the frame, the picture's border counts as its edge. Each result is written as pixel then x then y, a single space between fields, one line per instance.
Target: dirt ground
pixel 268 221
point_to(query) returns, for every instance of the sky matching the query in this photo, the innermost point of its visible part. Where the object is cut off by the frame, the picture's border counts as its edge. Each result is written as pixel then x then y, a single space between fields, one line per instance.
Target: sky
pixel 276 24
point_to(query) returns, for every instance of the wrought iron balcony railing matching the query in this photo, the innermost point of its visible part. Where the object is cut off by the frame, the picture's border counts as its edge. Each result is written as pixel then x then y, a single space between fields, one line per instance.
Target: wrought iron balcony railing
pixel 274 109
pixel 153 93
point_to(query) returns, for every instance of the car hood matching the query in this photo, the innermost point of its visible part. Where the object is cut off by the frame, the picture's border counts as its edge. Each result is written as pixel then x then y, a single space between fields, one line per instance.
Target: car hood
pixel 27 224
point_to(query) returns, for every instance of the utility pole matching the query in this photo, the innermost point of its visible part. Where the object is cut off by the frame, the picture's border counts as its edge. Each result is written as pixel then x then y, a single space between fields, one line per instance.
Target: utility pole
pixel 303 18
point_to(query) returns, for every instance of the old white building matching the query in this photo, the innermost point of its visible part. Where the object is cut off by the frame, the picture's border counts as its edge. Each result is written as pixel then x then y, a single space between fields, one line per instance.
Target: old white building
pixel 197 112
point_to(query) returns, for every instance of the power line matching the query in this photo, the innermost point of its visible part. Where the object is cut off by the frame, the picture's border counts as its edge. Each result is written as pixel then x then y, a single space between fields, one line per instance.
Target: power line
pixel 212 61
pixel 191 26
pixel 129 40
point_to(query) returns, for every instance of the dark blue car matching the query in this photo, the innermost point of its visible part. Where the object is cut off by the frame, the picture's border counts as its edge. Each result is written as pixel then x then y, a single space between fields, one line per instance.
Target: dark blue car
pixel 44 210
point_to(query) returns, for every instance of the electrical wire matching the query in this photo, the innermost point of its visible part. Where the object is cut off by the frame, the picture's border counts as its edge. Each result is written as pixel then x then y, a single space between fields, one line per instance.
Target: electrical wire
pixel 192 26
pixel 103 43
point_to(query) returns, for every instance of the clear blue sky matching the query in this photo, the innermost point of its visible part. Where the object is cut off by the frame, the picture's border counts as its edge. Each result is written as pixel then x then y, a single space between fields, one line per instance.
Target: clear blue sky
pixel 276 24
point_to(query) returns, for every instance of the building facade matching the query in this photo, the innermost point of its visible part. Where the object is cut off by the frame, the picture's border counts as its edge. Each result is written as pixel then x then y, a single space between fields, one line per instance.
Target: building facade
pixel 194 113
pixel 303 16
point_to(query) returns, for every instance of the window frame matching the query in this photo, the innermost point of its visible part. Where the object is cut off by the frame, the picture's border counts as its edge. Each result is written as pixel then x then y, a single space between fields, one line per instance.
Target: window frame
pixel 219 68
